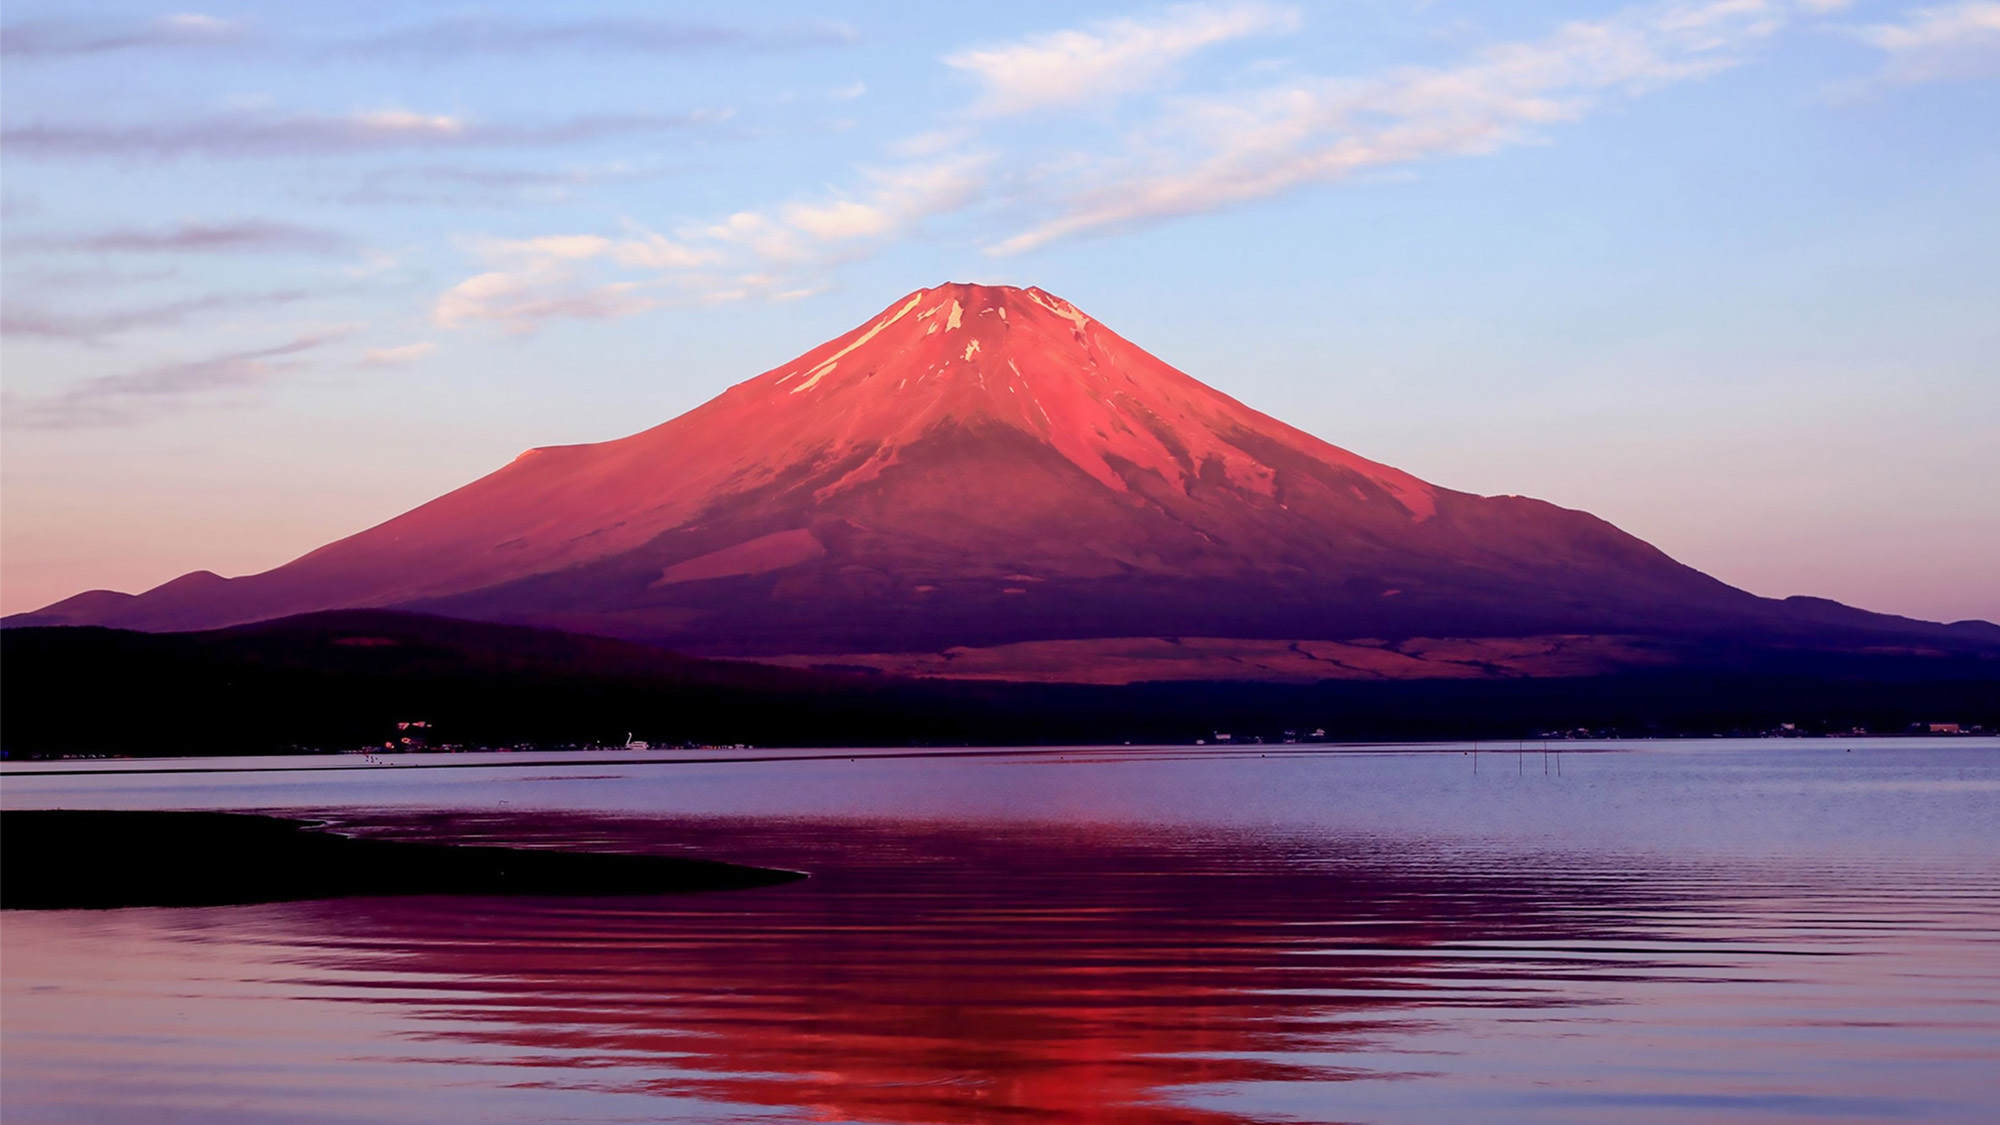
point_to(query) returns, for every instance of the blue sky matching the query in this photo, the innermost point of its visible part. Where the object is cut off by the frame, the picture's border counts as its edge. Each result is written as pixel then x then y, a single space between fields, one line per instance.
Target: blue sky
pixel 1723 273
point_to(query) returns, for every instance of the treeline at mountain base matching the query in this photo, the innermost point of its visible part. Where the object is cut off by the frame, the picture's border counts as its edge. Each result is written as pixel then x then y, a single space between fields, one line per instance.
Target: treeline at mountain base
pixel 353 680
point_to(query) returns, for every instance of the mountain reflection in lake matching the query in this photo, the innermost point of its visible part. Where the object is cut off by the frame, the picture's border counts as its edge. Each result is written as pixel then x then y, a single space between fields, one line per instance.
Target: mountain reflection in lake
pixel 998 970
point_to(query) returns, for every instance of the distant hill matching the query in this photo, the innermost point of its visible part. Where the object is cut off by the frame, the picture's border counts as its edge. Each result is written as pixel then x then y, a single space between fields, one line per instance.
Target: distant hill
pixel 346 679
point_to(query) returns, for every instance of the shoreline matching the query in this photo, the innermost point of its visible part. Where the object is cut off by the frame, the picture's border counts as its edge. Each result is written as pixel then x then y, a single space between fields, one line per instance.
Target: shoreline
pixel 343 761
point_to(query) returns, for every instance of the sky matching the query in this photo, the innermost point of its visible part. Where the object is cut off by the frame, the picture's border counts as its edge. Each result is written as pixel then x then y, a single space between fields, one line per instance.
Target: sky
pixel 1726 274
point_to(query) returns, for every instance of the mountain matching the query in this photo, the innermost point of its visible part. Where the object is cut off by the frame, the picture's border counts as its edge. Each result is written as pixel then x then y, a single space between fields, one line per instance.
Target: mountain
pixel 984 481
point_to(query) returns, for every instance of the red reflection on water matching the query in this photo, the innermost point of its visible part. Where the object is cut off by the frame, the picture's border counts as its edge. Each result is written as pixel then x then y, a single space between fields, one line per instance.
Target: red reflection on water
pixel 1058 972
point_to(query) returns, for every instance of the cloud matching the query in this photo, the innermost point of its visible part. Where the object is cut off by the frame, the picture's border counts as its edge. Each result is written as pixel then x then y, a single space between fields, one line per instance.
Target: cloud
pixel 467 35
pixel 95 278
pixel 563 247
pixel 813 233
pixel 252 236
pixel 309 134
pixel 148 392
pixel 489 35
pixel 397 356
pixel 891 202
pixel 536 280
pixel 1115 57
pixel 1205 154
pixel 42 39
pixel 1933 44
pixel 777 254
pixel 92 327
pixel 647 250
pixel 1194 154
pixel 523 300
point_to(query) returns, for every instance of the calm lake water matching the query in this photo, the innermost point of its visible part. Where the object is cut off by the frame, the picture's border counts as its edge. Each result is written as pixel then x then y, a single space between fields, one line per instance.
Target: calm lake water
pixel 1640 932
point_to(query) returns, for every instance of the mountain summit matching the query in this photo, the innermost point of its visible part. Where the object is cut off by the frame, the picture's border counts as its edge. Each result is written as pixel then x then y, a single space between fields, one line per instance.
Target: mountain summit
pixel 986 481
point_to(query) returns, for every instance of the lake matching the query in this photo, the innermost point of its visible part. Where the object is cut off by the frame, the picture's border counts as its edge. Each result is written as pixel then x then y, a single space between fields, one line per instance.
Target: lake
pixel 1783 931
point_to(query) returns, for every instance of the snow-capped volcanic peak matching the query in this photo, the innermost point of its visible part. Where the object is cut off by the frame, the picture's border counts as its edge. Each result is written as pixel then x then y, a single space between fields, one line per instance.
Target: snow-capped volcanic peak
pixel 973 465
pixel 1027 359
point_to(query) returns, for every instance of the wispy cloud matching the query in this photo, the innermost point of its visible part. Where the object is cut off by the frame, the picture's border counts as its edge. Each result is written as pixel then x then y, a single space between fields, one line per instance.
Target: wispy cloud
pixel 1209 153
pixel 523 300
pixel 91 327
pixel 93 277
pixel 889 203
pixel 251 236
pixel 1107 59
pixel 493 35
pixel 310 134
pixel 535 280
pixel 1190 154
pixel 457 36
pixel 136 396
pixel 1953 41
pixel 42 39
pixel 776 253
pixel 397 356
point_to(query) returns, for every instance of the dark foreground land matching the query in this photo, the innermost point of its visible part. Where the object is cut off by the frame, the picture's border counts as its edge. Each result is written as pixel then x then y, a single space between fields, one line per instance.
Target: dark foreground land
pixel 54 859
pixel 345 679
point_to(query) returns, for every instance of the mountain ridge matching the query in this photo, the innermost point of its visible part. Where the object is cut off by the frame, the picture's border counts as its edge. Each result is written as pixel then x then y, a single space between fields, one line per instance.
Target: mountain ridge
pixel 346 679
pixel 979 466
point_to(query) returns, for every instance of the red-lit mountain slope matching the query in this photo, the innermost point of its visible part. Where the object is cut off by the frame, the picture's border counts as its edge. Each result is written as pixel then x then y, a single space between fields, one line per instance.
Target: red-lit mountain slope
pixel 983 466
